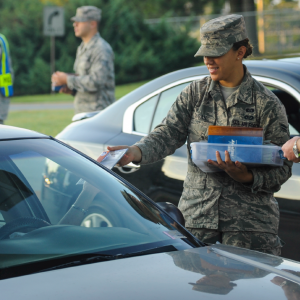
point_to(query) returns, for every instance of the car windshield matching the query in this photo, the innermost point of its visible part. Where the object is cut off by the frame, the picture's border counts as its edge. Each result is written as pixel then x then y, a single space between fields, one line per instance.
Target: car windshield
pixel 55 202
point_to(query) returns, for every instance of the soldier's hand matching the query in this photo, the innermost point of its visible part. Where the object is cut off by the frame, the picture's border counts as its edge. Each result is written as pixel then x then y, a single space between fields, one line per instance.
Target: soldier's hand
pixel 59 78
pixel 133 154
pixel 235 170
pixel 287 149
pixel 65 90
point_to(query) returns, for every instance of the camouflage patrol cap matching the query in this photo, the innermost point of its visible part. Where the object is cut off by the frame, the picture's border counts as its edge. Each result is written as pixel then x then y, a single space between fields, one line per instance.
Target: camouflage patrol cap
pixel 87 13
pixel 218 35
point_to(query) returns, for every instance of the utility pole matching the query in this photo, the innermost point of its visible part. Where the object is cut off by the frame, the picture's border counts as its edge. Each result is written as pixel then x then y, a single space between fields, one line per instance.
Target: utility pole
pixel 52 55
pixel 261 25
pixel 248 9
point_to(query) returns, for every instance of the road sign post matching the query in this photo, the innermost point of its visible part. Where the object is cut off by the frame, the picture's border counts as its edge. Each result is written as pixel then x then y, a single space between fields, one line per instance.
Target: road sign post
pixel 52 54
pixel 54 25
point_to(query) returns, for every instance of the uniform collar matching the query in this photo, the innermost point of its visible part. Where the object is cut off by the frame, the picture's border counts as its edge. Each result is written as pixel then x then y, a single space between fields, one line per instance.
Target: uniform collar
pixel 90 43
pixel 243 93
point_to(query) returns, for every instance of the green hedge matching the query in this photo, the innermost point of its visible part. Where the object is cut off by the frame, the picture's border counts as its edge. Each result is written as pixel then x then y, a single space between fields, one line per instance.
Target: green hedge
pixel 141 51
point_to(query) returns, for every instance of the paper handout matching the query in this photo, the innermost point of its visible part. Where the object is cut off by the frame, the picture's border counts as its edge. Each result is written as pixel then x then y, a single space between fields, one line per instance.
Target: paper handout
pixel 110 158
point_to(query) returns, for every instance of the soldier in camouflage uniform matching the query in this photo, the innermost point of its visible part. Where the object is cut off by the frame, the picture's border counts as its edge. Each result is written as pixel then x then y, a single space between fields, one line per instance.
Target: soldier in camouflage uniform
pixel 94 82
pixel 235 207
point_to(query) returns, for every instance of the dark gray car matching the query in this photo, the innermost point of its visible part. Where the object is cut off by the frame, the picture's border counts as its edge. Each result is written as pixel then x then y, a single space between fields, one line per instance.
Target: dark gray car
pixel 136 114
pixel 51 248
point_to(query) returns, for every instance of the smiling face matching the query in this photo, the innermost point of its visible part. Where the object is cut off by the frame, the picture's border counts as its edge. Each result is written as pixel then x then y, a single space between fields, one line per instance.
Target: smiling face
pixel 228 68
pixel 225 67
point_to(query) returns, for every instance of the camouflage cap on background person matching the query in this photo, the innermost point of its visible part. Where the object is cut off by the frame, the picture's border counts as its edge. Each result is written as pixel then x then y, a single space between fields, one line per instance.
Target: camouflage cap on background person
pixel 87 13
pixel 218 35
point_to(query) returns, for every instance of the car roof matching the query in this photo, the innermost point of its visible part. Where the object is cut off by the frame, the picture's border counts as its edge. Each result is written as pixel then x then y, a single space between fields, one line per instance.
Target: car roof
pixel 291 59
pixel 283 71
pixel 10 132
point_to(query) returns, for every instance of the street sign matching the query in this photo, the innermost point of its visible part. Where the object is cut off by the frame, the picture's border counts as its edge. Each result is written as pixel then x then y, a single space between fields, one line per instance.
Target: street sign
pixel 54 21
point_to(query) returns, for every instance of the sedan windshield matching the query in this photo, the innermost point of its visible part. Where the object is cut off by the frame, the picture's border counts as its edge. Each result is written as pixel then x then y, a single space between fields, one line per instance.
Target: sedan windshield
pixel 56 203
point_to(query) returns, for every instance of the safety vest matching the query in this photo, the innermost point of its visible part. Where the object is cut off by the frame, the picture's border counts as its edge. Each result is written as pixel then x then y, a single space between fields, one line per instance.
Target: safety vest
pixel 6 85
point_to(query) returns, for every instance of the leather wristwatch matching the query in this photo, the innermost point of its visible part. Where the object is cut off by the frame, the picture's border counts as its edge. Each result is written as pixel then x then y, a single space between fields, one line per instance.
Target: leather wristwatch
pixel 295 149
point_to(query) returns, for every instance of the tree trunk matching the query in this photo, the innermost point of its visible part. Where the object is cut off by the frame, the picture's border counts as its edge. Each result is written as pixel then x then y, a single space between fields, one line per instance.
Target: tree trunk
pixel 236 6
pixel 243 6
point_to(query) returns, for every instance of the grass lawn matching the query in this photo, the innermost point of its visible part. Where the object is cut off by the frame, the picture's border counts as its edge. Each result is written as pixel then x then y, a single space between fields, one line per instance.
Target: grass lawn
pixel 42 98
pixel 121 90
pixel 49 122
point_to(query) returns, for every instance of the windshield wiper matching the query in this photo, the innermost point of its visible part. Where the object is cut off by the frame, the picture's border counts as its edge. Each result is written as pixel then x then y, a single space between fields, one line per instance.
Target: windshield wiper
pixel 167 248
pixel 87 258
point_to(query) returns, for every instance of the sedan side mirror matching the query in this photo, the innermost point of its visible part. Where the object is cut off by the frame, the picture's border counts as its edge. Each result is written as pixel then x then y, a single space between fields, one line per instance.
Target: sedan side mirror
pixel 85 115
pixel 173 211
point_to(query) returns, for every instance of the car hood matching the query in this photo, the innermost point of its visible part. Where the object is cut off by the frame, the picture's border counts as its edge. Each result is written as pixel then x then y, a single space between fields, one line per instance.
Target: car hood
pixel 213 272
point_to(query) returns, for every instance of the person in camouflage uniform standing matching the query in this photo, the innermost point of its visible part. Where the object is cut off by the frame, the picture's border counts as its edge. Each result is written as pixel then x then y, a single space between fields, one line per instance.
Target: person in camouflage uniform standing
pixel 94 82
pixel 235 207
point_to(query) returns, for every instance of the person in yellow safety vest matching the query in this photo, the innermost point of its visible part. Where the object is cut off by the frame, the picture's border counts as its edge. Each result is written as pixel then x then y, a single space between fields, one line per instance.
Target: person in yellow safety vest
pixel 6 78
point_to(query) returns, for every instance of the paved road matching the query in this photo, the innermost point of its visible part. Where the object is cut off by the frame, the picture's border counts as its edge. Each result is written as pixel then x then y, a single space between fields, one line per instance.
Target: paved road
pixel 40 106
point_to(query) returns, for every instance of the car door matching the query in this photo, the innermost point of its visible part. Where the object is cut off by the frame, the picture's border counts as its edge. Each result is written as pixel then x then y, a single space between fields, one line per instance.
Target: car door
pixel 163 180
pixel 291 100
pixel 289 195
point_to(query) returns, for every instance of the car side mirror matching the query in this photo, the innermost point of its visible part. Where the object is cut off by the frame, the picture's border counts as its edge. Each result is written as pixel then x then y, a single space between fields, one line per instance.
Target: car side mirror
pixel 85 115
pixel 173 211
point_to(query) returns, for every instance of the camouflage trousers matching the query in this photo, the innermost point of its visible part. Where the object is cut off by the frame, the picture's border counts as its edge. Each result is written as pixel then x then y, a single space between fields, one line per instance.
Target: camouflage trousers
pixel 258 241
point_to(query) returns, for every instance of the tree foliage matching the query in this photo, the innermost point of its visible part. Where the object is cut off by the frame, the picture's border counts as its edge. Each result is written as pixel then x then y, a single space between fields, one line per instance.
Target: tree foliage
pixel 141 51
pixel 54 2
pixel 247 6
pixel 157 8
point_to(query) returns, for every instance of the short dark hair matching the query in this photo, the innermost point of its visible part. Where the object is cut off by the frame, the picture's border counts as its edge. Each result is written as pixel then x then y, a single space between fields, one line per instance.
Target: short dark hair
pixel 246 43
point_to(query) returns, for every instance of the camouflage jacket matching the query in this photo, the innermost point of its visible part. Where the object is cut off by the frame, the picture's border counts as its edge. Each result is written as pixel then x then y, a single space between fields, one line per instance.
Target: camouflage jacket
pixel 215 200
pixel 95 80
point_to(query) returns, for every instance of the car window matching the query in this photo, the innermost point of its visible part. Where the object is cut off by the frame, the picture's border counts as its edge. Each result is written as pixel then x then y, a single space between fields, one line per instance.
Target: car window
pixel 293 130
pixel 292 107
pixel 33 165
pixel 167 98
pixel 2 221
pixel 143 115
pixel 45 186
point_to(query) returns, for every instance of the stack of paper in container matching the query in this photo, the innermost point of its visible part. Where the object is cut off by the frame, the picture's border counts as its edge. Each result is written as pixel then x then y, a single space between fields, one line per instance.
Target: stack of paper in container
pixel 243 144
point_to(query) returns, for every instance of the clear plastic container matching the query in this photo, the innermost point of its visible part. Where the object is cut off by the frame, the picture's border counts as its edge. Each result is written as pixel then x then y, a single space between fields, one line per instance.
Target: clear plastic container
pixel 250 155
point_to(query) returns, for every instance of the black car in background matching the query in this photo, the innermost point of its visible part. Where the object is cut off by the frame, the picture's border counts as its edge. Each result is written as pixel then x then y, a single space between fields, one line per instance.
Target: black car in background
pixel 136 114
